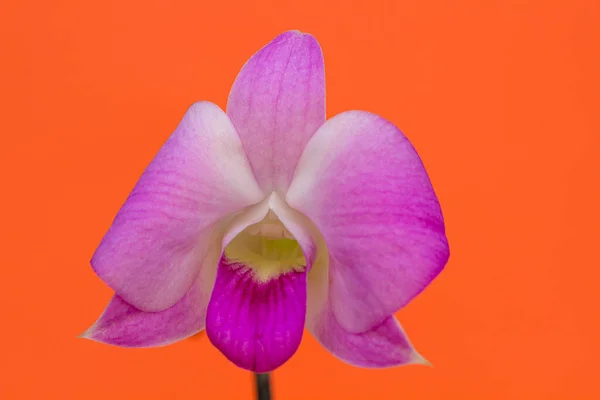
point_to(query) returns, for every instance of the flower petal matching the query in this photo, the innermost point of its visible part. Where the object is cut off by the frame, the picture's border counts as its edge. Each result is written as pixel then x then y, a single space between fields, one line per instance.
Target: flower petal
pixel 362 184
pixel 384 345
pixel 123 325
pixel 153 251
pixel 256 325
pixel 276 104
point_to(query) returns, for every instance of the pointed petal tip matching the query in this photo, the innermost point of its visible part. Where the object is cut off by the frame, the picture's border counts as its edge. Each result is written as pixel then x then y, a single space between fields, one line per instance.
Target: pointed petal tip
pixel 303 40
pixel 87 333
pixel 293 32
pixel 297 32
pixel 420 360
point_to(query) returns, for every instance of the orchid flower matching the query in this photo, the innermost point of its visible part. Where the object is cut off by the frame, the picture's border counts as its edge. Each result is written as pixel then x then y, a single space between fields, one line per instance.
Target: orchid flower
pixel 257 222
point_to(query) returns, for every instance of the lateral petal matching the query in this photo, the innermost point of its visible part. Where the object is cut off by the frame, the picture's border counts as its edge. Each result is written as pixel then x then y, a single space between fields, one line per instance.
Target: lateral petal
pixel 363 185
pixel 153 251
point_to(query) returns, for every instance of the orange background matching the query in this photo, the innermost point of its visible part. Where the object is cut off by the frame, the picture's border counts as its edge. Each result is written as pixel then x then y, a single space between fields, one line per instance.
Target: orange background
pixel 500 97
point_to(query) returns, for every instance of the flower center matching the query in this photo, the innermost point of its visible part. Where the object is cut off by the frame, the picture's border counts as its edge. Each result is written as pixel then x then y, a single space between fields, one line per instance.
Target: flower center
pixel 267 248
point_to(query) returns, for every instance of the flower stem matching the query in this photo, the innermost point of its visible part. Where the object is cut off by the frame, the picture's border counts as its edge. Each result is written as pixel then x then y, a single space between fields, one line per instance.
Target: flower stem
pixel 263 386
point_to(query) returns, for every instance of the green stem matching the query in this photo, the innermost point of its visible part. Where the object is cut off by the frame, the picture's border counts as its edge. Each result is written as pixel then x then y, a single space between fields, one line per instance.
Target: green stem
pixel 263 386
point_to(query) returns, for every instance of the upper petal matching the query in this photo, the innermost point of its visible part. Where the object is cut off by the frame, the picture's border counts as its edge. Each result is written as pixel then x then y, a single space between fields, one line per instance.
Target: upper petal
pixel 364 186
pixel 153 251
pixel 276 104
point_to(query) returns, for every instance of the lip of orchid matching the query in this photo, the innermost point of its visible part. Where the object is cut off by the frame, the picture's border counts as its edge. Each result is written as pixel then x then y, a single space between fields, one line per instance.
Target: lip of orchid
pixel 257 222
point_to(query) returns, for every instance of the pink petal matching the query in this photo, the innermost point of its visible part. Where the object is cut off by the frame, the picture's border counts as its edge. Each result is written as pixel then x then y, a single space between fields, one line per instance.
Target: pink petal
pixel 153 251
pixel 123 325
pixel 384 345
pixel 276 104
pixel 256 325
pixel 361 182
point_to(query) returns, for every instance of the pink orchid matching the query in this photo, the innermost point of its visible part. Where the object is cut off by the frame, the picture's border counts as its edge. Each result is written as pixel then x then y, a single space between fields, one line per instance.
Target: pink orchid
pixel 258 222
